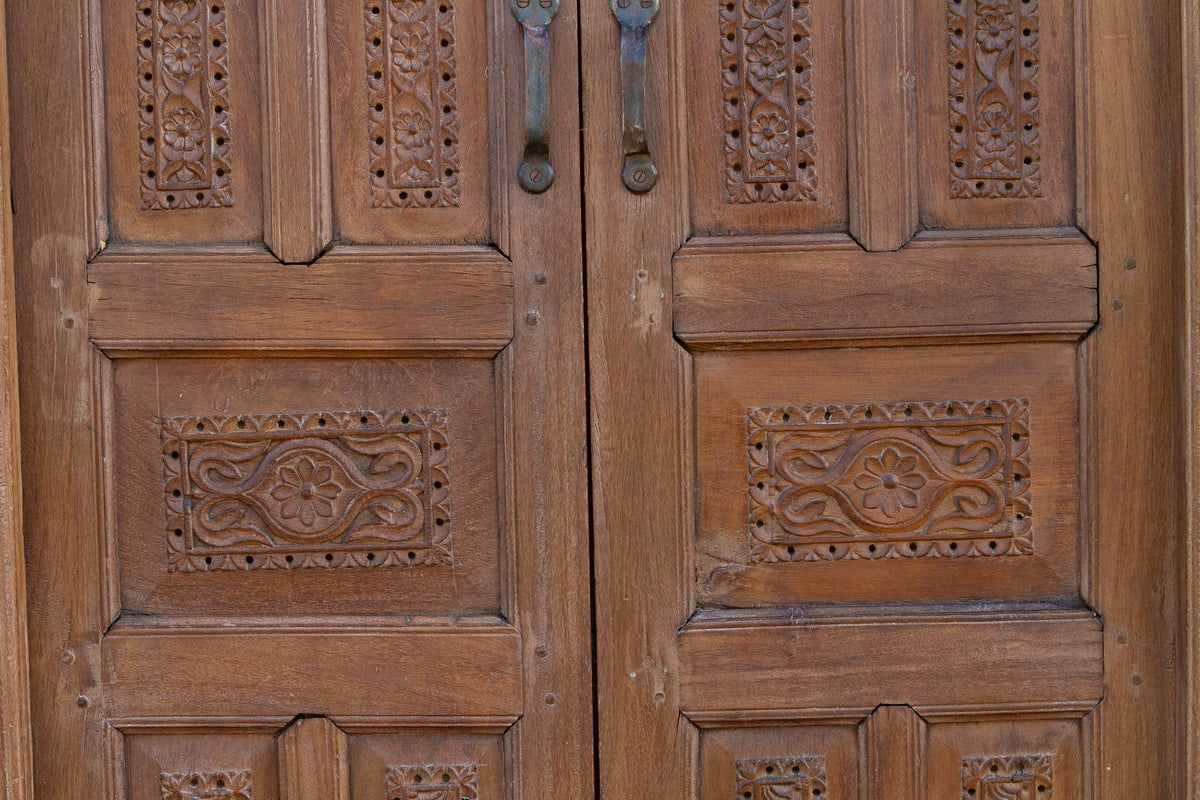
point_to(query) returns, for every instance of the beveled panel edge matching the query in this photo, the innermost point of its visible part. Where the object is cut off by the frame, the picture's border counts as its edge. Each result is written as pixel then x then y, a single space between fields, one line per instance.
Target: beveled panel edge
pixel 747 292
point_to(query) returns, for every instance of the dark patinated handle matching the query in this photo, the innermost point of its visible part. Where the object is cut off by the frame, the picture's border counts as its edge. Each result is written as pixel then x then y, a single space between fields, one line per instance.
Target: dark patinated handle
pixel 639 173
pixel 535 16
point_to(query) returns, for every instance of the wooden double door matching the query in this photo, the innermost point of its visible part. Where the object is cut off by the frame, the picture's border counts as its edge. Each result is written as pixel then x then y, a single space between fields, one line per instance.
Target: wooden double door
pixel 465 400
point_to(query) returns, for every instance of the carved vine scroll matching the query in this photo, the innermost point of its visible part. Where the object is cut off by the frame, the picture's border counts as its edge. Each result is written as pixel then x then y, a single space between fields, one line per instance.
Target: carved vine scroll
pixel 781 778
pixel 432 782
pixel 205 785
pixel 412 113
pixel 314 490
pixel 766 67
pixel 994 111
pixel 183 98
pixel 1008 778
pixel 896 480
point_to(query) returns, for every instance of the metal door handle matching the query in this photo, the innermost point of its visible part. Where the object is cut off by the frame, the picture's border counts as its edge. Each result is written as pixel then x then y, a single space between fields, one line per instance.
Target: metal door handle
pixel 639 173
pixel 535 16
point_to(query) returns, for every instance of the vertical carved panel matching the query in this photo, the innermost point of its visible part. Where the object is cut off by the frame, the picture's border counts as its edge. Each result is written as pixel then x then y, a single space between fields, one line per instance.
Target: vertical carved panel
pixel 433 782
pixel 781 778
pixel 205 785
pixel 890 480
pixel 317 490
pixel 770 146
pixel 1008 778
pixel 994 113
pixel 183 96
pixel 412 114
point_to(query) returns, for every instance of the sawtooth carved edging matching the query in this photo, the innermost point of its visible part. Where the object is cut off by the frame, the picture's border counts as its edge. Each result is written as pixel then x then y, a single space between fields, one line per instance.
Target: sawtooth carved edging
pixel 1008 778
pixel 335 489
pixel 766 68
pixel 994 103
pixel 205 785
pixel 183 99
pixel 432 782
pixel 412 113
pixel 912 480
pixel 781 778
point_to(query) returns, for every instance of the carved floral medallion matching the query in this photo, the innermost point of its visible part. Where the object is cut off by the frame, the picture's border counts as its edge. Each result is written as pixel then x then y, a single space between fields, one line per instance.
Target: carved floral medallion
pixel 766 63
pixel 183 99
pixel 893 480
pixel 205 785
pixel 432 782
pixel 994 104
pixel 800 778
pixel 314 490
pixel 1008 778
pixel 412 111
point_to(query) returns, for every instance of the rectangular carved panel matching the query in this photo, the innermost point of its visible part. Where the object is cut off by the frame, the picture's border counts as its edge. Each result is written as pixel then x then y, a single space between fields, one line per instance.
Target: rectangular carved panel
pixel 432 782
pixel 206 785
pixel 412 114
pixel 1008 778
pixel 766 59
pixel 994 101
pixel 183 97
pixel 332 489
pixel 781 778
pixel 890 480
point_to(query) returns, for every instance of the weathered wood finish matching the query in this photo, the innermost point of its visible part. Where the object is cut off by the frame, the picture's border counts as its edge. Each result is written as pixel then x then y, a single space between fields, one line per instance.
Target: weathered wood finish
pixel 314 761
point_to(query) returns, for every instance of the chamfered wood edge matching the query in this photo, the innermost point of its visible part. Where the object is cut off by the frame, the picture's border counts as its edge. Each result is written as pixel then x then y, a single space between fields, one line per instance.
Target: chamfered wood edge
pixel 1189 695
pixel 15 739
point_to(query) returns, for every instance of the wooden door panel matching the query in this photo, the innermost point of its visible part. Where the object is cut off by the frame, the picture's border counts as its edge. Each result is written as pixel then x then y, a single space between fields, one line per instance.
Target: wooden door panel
pixel 410 130
pixel 1016 150
pixel 811 762
pixel 977 448
pixel 172 765
pixel 785 171
pixel 183 131
pixel 1027 758
pixel 415 766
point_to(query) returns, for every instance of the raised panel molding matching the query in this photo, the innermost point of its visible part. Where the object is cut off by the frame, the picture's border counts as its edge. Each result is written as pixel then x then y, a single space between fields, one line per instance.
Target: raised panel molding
pixel 781 778
pixel 889 480
pixel 333 489
pixel 766 60
pixel 994 103
pixel 1008 778
pixel 412 113
pixel 206 785
pixel 183 98
pixel 433 782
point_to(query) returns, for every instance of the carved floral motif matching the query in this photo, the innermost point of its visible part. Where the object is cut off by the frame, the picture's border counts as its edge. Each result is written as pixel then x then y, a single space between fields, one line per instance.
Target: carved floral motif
pixel 315 490
pixel 412 113
pixel 183 98
pixel 994 114
pixel 766 60
pixel 205 785
pixel 1008 778
pixel 879 481
pixel 800 778
pixel 432 782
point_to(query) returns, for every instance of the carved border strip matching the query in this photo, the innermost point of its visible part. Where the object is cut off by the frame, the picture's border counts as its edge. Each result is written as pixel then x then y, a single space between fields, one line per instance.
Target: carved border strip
pixel 229 785
pixel 444 782
pixel 766 69
pixel 912 493
pixel 412 110
pixel 389 516
pixel 1007 777
pixel 994 103
pixel 183 104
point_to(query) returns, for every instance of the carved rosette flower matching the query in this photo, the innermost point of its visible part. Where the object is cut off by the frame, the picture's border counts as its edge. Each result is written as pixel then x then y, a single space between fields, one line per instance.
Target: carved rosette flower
pixel 306 490
pixel 763 20
pixel 994 30
pixel 183 130
pixel 412 53
pixel 181 54
pixel 889 482
pixel 413 128
pixel 767 62
pixel 769 135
